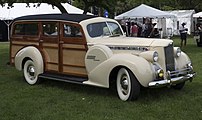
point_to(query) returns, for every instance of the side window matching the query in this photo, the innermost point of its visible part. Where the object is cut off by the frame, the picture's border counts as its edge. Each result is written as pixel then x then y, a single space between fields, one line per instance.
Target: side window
pixel 72 31
pixel 50 29
pixel 26 29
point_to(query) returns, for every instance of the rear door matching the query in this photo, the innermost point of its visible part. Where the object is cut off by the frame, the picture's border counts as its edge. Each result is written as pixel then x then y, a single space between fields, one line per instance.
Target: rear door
pixel 49 43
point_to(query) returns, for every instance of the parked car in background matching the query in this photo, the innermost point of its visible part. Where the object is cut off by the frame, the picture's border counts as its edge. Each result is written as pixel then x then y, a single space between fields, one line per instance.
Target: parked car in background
pixel 92 50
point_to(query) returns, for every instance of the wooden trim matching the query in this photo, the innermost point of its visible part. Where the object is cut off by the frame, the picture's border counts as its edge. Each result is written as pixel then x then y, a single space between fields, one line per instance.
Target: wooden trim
pixel 73 47
pixel 60 55
pixel 79 49
pixel 74 65
pixel 20 43
pixel 53 63
pixel 52 47
pixel 52 71
pixel 58 42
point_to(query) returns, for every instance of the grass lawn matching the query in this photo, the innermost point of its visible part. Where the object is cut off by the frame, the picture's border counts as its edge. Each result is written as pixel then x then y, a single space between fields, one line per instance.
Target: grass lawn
pixel 53 100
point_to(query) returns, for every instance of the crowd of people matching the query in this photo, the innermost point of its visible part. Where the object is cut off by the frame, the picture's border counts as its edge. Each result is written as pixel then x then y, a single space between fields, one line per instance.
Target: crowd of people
pixel 135 29
pixel 147 29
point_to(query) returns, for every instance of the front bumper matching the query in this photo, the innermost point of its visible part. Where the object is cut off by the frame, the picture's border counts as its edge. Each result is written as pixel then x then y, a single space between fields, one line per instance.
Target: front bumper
pixel 172 81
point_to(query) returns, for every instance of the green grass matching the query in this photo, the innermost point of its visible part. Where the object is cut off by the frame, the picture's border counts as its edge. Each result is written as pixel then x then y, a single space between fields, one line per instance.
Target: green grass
pixel 53 100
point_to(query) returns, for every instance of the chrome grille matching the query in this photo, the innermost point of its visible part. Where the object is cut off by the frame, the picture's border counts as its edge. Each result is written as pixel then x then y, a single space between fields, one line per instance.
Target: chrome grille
pixel 181 72
pixel 169 58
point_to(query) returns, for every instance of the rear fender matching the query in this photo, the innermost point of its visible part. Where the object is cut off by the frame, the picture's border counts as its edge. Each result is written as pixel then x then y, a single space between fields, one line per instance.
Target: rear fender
pixel 29 53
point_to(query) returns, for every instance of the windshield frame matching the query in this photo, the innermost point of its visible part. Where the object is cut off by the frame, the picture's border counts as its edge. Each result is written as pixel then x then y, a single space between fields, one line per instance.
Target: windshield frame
pixel 104 25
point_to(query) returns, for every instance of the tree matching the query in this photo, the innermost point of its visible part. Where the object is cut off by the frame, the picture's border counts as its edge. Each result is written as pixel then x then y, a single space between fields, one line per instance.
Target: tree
pixel 118 6
pixel 54 3
pixel 108 5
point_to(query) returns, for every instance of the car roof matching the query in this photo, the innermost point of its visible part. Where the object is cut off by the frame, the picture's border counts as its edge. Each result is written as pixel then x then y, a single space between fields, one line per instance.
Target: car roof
pixel 67 17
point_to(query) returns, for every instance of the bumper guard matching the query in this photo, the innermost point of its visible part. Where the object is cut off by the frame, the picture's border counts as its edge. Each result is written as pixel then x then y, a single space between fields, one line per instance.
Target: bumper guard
pixel 172 81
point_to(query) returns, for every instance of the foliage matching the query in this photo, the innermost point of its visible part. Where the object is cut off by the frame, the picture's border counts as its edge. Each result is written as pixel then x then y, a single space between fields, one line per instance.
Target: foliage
pixel 53 100
pixel 117 6
pixel 101 4
pixel 160 4
pixel 56 3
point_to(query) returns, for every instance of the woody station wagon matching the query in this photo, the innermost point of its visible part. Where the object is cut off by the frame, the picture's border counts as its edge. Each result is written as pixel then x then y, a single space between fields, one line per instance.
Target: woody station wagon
pixel 94 51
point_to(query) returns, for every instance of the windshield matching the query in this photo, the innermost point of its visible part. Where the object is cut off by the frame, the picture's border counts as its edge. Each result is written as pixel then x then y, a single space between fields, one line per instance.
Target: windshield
pixel 104 29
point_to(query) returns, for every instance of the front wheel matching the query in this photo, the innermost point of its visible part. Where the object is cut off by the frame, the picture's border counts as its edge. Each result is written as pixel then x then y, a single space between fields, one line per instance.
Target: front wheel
pixel 30 72
pixel 128 87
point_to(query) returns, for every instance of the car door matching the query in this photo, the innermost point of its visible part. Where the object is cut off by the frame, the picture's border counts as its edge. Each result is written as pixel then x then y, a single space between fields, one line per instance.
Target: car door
pixel 73 49
pixel 49 43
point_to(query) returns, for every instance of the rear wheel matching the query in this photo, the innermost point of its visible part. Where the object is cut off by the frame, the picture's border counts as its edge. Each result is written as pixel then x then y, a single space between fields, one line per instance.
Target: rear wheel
pixel 30 72
pixel 128 87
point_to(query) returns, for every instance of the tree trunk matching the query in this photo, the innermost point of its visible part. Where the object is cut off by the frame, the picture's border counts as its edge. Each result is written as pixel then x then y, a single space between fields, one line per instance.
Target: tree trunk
pixel 85 9
pixel 60 7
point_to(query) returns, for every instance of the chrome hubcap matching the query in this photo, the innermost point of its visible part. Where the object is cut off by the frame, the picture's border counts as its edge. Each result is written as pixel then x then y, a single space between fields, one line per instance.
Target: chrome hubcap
pixel 31 72
pixel 124 84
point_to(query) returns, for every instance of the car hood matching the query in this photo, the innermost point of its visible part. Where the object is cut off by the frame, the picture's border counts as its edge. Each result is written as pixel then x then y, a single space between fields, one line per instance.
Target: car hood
pixel 130 41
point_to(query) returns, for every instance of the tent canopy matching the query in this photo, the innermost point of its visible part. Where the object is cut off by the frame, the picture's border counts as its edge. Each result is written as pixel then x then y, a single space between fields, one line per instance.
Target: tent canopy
pixel 144 11
pixel 21 9
pixel 183 16
pixel 199 14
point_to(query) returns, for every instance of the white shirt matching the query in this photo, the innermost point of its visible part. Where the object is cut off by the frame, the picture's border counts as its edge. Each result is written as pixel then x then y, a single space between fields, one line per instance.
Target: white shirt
pixel 182 29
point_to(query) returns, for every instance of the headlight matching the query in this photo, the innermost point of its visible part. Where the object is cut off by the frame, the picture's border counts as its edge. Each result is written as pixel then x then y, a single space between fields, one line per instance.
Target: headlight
pixel 155 56
pixel 177 51
pixel 151 56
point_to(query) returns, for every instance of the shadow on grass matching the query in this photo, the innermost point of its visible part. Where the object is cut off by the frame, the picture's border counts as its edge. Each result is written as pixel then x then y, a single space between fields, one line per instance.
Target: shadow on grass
pixel 146 94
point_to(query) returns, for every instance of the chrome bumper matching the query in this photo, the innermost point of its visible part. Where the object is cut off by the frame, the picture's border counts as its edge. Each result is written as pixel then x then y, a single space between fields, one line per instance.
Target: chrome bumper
pixel 172 81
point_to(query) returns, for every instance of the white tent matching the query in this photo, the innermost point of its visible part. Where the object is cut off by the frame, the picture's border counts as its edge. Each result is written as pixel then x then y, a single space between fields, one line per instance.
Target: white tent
pixel 21 9
pixel 185 16
pixel 196 15
pixel 144 11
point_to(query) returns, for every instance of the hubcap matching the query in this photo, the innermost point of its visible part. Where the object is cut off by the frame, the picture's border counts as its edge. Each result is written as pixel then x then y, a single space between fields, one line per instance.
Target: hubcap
pixel 124 84
pixel 31 72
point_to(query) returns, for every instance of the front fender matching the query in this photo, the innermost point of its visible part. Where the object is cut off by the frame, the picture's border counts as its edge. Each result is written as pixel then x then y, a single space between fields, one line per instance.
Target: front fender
pixel 32 53
pixel 140 67
pixel 182 61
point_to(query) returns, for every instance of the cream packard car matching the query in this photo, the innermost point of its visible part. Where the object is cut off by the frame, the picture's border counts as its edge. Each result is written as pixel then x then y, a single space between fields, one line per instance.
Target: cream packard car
pixel 94 51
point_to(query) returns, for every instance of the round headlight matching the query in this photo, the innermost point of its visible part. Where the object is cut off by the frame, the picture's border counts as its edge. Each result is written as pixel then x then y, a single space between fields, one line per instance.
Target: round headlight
pixel 178 52
pixel 155 56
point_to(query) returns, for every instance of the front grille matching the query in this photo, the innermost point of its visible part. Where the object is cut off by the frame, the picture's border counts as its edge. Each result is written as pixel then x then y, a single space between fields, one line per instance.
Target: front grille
pixel 169 58
pixel 181 72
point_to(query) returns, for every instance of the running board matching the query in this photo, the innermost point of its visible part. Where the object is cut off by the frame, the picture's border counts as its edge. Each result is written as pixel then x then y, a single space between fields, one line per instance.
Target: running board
pixel 64 78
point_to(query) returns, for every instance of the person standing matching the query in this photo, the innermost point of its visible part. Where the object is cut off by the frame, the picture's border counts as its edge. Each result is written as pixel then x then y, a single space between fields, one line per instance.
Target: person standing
pixel 200 34
pixel 183 34
pixel 128 25
pixel 147 30
pixel 133 29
